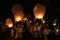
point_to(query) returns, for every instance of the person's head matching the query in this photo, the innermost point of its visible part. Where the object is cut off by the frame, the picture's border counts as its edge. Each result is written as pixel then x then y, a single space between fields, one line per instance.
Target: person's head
pixel 49 25
pixel 58 25
pixel 38 22
pixel 46 31
pixel 19 24
pixel 28 23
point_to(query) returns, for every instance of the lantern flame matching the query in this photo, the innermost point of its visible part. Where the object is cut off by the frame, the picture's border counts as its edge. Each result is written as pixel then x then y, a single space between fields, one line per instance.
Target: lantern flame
pixel 18 18
pixel 39 11
pixel 40 16
pixel 17 11
pixel 9 22
pixel 10 25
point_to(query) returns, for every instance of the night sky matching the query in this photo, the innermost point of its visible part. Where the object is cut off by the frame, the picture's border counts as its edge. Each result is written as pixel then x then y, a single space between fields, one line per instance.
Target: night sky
pixel 52 8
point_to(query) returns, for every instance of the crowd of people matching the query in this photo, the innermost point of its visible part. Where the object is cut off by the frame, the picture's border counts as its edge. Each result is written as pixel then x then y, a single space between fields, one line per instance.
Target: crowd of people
pixel 35 30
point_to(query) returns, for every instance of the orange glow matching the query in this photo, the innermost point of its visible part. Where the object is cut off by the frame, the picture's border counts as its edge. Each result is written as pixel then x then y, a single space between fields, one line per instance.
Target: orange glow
pixel 18 18
pixel 9 22
pixel 10 25
pixel 40 16
pixel 17 11
pixel 39 11
pixel 25 19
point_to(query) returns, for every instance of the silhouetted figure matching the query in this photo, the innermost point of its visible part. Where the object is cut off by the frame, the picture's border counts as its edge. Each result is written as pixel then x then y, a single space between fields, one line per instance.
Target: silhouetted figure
pixel 27 34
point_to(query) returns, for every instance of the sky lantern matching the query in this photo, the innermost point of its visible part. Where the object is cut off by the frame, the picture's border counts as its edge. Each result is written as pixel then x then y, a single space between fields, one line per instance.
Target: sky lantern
pixel 9 22
pixel 17 11
pixel 39 11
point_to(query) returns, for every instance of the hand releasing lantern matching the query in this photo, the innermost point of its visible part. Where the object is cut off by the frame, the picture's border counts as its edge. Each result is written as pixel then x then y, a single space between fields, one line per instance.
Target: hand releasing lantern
pixel 39 11
pixel 9 22
pixel 17 11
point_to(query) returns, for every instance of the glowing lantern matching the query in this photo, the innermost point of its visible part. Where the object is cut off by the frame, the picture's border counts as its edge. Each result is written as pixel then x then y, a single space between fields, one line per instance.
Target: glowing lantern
pixel 55 21
pixel 9 22
pixel 43 21
pixel 25 19
pixel 17 11
pixel 39 11
pixel 54 24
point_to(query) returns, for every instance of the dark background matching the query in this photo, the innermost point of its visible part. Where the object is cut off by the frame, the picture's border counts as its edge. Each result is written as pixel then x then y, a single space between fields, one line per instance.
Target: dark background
pixel 52 8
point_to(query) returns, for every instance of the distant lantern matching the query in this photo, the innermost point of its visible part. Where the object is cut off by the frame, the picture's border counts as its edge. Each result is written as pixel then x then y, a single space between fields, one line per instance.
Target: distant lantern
pixel 43 20
pixel 54 23
pixel 25 19
pixel 17 11
pixel 39 11
pixel 9 22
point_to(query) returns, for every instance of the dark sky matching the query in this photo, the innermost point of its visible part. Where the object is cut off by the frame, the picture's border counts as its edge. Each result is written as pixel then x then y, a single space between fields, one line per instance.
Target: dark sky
pixel 52 7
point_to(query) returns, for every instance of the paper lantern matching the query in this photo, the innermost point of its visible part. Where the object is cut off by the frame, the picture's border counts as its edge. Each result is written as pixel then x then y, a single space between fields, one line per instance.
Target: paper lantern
pixel 9 22
pixel 39 11
pixel 17 11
